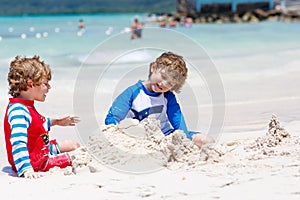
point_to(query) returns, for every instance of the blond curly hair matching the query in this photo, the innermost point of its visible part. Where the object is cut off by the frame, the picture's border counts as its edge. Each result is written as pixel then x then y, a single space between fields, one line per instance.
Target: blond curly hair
pixel 174 67
pixel 23 69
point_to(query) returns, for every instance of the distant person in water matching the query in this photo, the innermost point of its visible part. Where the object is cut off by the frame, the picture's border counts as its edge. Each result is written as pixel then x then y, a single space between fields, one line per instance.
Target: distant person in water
pixel 172 23
pixel 81 24
pixel 186 22
pixel 189 22
pixel 81 28
pixel 163 23
pixel 136 29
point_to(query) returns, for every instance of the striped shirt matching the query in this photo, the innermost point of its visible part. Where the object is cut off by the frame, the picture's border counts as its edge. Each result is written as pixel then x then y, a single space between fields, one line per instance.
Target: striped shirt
pixel 20 119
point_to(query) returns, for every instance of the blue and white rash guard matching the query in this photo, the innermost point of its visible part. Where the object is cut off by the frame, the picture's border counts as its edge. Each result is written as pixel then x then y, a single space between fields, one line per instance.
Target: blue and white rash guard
pixel 139 103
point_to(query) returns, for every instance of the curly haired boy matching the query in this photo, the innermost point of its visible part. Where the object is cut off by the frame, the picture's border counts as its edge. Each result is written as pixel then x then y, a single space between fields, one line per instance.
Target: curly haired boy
pixel 29 150
pixel 155 98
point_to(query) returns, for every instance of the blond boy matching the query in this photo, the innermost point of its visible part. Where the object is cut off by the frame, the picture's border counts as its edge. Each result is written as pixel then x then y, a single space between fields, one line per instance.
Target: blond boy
pixel 155 98
pixel 29 150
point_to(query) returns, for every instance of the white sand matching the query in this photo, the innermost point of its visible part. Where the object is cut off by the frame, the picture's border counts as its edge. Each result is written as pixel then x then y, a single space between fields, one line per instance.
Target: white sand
pixel 258 166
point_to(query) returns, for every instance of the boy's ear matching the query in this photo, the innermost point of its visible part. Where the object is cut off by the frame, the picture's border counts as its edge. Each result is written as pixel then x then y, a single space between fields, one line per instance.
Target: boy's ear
pixel 29 83
pixel 153 67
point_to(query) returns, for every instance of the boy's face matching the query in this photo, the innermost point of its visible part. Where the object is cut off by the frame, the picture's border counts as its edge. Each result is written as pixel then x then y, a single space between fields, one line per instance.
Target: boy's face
pixel 38 92
pixel 160 81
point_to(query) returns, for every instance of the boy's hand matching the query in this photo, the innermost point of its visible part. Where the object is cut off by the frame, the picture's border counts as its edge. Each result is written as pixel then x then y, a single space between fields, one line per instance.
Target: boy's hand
pixel 200 139
pixel 65 121
pixel 33 175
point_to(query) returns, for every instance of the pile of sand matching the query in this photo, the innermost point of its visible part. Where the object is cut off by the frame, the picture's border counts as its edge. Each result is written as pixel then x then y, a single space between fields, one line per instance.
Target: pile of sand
pixel 274 137
pixel 132 144
pixel 276 142
pixel 274 152
pixel 139 147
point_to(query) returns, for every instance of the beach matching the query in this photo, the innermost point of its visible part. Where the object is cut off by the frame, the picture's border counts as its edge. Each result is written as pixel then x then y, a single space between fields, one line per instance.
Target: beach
pixel 227 170
pixel 240 75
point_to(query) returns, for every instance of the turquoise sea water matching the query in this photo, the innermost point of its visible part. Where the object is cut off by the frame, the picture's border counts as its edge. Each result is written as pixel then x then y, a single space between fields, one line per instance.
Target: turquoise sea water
pixel 258 64
pixel 61 35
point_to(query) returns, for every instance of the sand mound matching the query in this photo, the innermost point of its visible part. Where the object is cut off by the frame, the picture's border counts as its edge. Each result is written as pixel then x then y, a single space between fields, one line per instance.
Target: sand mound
pixel 276 142
pixel 139 147
pixel 133 144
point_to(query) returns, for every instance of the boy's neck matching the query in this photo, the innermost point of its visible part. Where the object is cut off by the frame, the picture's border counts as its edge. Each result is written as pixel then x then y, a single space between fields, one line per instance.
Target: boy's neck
pixel 147 85
pixel 26 96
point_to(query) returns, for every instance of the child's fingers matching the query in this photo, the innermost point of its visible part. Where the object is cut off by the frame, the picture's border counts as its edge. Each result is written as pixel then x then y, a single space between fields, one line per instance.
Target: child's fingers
pixel 73 120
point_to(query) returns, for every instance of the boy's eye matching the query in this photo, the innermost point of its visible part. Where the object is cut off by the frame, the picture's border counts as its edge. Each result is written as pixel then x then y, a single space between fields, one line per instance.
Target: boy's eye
pixel 164 76
pixel 167 81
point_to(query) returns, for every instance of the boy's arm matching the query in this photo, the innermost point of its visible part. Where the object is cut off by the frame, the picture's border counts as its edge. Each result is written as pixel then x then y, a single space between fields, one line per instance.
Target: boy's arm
pixel 175 115
pixel 120 107
pixel 19 119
